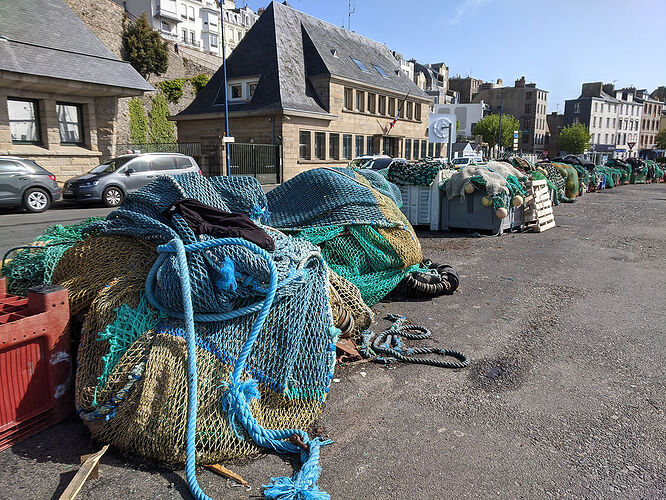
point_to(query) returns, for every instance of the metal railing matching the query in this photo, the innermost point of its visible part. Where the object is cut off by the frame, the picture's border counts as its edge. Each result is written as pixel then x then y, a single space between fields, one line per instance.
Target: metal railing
pixel 258 160
pixel 186 148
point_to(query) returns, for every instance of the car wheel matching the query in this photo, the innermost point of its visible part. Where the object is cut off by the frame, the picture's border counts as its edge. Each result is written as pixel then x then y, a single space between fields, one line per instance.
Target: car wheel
pixel 36 200
pixel 112 197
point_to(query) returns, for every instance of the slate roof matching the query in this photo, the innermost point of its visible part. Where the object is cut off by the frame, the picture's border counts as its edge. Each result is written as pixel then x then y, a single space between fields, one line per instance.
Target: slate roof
pixel 45 38
pixel 287 48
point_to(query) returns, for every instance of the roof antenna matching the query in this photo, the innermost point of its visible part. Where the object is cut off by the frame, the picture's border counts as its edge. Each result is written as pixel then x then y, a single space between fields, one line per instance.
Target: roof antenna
pixel 350 11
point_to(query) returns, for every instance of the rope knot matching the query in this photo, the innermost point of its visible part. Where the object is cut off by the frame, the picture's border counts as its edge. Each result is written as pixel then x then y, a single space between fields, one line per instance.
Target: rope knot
pixel 303 484
pixel 227 280
pixel 236 403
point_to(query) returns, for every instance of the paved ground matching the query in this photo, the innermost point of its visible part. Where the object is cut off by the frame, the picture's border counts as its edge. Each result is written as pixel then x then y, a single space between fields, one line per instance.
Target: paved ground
pixel 19 228
pixel 564 398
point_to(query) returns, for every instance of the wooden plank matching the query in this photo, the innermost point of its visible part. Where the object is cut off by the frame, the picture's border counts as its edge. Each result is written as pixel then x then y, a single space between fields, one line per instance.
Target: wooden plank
pixel 89 466
pixel 550 225
pixel 224 472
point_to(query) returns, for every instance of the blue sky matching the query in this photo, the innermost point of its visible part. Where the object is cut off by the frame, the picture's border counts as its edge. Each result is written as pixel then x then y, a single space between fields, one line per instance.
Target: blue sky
pixel 557 44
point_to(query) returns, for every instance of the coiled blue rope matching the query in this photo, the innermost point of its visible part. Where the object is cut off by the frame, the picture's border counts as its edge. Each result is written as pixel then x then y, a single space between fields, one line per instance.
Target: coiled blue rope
pixel 236 400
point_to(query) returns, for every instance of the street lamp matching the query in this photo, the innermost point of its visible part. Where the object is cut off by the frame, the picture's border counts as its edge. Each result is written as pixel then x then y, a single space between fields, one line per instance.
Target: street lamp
pixel 226 101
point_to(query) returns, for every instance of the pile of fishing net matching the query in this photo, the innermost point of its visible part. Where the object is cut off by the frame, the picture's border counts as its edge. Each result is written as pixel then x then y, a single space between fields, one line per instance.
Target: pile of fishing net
pixel 199 349
pixel 421 173
pixel 501 183
pixel 571 181
pixel 354 219
pixel 34 264
pixel 624 167
pixel 640 171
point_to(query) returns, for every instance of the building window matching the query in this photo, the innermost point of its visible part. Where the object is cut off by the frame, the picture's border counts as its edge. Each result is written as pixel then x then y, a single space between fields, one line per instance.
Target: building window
pixel 528 96
pixel 594 122
pixel 69 123
pixel 417 154
pixel 184 32
pixel 605 138
pixel 382 105
pixel 577 107
pixel 183 11
pixel 424 145
pixel 408 149
pixel 528 107
pixel 368 145
pixel 360 65
pixel 236 90
pixel 431 149
pixel 360 101
pixel 24 121
pixel 391 106
pixel 320 145
pixel 334 146
pixel 193 39
pixel 371 102
pixel 410 107
pixel 360 140
pixel 213 40
pixel 191 11
pixel 576 120
pixel 380 70
pixel 304 139
pixel 607 122
pixel 346 147
pixel 251 87
pixel 613 122
pixel 595 107
pixel 349 98
pixel 417 112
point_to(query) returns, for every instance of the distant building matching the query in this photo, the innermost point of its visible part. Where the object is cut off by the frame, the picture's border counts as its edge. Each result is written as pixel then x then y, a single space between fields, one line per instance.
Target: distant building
pixel 555 123
pixel 466 87
pixel 59 88
pixel 629 115
pixel 598 111
pixel 195 23
pixel 434 80
pixel 650 119
pixel 406 66
pixel 326 94
pixel 525 102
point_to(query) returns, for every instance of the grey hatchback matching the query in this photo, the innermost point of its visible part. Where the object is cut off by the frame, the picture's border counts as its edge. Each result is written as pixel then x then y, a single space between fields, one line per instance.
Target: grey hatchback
pixel 112 180
pixel 27 184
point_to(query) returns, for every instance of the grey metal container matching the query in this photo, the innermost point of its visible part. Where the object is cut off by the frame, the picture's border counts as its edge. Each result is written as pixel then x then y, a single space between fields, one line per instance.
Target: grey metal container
pixel 469 213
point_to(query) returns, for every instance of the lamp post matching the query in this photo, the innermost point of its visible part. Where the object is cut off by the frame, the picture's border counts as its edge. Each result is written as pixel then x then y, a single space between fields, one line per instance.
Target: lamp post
pixel 226 90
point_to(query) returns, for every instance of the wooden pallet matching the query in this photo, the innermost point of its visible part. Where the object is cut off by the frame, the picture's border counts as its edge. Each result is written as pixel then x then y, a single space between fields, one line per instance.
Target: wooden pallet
pixel 538 213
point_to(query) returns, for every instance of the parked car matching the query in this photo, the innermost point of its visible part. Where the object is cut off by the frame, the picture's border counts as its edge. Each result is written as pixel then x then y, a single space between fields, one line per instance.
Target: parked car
pixel 382 163
pixel 111 181
pixel 24 183
pixel 359 161
pixel 461 162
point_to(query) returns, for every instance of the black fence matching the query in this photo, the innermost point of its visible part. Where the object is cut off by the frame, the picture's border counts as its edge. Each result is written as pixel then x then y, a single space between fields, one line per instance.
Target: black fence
pixel 258 160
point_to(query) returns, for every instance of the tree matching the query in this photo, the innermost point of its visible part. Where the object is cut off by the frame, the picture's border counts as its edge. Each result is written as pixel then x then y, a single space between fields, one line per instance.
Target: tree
pixel 488 128
pixel 161 129
pixel 144 48
pixel 660 140
pixel 575 139
pixel 137 122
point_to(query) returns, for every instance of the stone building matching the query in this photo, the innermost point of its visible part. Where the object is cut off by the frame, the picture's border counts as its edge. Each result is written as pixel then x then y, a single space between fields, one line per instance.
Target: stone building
pixel 598 111
pixel 629 115
pixel 195 24
pixel 466 87
pixel 649 121
pixel 525 102
pixel 58 93
pixel 555 123
pixel 326 94
pixel 433 79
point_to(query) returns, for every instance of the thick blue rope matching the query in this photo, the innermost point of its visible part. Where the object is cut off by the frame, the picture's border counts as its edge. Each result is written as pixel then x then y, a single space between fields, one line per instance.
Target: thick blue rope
pixel 239 395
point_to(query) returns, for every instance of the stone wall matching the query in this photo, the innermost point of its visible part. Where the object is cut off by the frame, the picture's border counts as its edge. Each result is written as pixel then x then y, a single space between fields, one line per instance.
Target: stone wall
pixel 104 18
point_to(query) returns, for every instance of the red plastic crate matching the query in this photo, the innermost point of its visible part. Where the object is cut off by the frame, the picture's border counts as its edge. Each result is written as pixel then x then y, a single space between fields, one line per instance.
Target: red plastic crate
pixel 36 365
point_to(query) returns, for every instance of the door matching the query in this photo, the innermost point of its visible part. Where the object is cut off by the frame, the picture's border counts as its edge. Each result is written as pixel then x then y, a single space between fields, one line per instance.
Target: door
pixel 390 147
pixel 14 178
pixel 141 176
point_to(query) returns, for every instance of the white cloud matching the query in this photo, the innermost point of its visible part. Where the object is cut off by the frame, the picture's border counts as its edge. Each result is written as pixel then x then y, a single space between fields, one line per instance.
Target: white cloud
pixel 467 8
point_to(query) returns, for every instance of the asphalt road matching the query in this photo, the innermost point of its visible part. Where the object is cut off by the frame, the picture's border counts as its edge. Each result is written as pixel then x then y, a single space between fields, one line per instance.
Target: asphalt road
pixel 564 397
pixel 20 228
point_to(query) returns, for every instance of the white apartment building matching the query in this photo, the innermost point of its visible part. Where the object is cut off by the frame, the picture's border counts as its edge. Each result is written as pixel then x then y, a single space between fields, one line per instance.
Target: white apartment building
pixel 195 23
pixel 629 115
pixel 650 122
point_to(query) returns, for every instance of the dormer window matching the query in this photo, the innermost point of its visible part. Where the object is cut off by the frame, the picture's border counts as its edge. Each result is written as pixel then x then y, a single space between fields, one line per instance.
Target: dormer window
pixel 360 65
pixel 242 90
pixel 380 70
pixel 334 53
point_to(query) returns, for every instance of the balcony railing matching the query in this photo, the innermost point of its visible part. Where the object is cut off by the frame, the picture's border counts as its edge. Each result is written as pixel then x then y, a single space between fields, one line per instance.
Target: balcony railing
pixel 167 14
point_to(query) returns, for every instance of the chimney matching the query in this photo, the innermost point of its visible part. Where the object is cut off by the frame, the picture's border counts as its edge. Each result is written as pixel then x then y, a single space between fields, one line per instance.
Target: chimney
pixel 592 89
pixel 609 88
pixel 521 82
pixel 500 83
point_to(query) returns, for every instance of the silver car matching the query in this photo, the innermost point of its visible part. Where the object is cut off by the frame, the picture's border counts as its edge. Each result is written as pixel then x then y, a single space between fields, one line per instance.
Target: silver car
pixel 24 183
pixel 111 181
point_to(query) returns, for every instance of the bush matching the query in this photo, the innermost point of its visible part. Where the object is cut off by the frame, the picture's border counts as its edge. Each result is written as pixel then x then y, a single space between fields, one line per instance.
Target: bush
pixel 172 89
pixel 199 81
pixel 161 130
pixel 138 122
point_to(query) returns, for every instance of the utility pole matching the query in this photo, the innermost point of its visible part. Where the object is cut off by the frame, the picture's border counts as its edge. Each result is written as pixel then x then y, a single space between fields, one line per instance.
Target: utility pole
pixel 226 90
pixel 499 135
